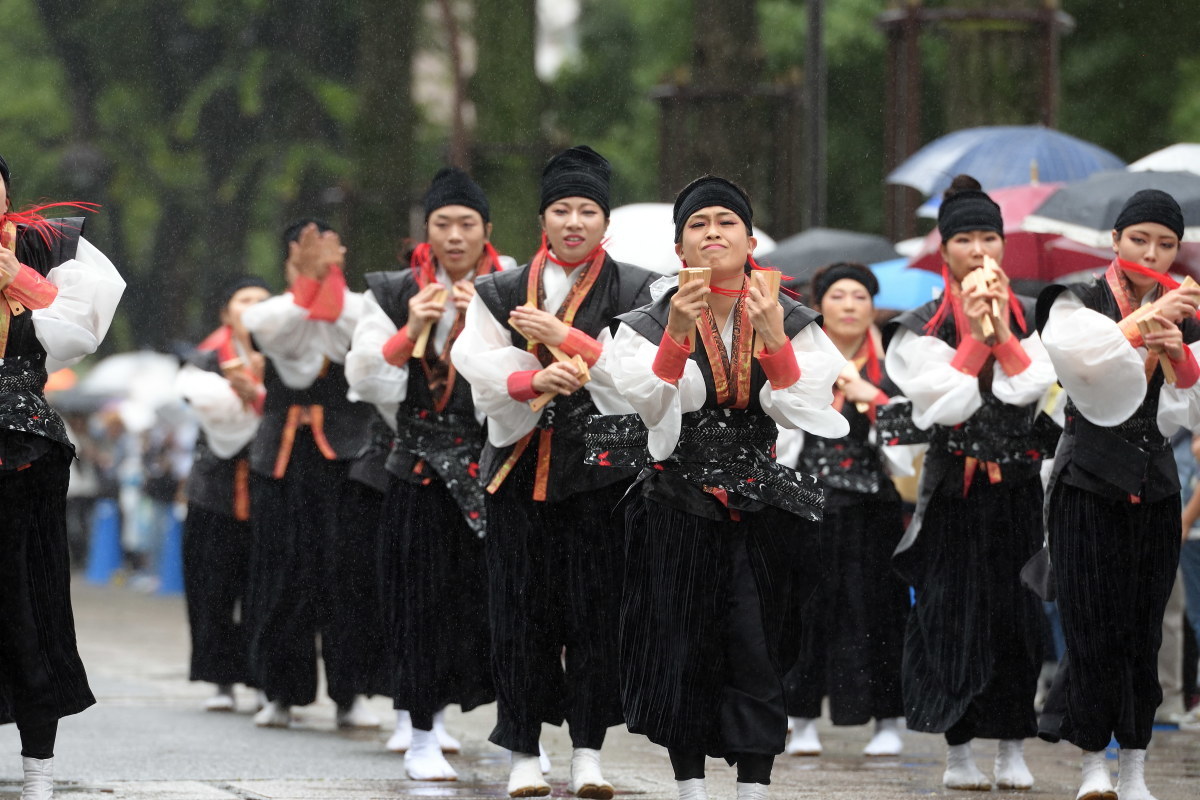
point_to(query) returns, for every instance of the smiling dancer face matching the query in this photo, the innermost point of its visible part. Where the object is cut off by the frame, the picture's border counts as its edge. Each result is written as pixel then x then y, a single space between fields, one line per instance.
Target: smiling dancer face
pixel 574 227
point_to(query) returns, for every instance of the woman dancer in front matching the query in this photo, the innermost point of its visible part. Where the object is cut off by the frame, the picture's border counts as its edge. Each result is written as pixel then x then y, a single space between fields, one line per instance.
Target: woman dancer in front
pixel 554 550
pixel 853 627
pixel 972 651
pixel 431 538
pixel 60 294
pixel 1114 513
pixel 714 524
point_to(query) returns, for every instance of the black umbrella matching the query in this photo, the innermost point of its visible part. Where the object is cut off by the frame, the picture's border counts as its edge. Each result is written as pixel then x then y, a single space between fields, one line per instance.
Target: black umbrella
pixel 1086 211
pixel 801 255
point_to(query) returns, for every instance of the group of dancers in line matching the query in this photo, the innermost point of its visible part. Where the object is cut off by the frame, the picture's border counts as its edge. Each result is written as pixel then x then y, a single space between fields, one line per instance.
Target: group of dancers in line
pixel 600 496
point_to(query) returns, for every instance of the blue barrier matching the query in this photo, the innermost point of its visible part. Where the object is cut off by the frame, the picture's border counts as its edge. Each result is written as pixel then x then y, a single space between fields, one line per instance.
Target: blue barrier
pixel 170 558
pixel 104 549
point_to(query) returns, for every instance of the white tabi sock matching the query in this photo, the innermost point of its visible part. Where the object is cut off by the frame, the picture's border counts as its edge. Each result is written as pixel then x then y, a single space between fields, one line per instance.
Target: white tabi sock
pixel 586 778
pixel 804 740
pixel 39 778
pixel 886 741
pixel 692 789
pixel 1011 771
pixel 1097 782
pixel 401 738
pixel 1131 775
pixel 525 778
pixel 961 772
pixel 424 760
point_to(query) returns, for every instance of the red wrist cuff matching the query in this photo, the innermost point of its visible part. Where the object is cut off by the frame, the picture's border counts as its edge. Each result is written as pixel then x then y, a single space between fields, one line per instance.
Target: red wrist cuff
pixel 1187 370
pixel 671 358
pixel 580 344
pixel 520 386
pixel 881 398
pixel 31 290
pixel 327 305
pixel 780 366
pixel 970 356
pixel 304 290
pixel 1129 330
pixel 1011 357
pixel 398 349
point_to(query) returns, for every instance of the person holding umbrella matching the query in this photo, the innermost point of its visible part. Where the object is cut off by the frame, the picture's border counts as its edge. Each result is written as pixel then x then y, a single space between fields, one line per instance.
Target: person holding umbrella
pixel 1114 501
pixel 973 649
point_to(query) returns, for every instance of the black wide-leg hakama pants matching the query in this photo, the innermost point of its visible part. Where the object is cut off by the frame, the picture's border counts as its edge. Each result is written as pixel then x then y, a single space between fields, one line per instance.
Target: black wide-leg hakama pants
pixel 216 567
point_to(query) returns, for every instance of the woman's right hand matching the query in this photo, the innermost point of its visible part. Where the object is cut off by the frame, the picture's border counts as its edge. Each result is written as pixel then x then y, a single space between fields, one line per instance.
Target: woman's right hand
pixel 686 307
pixel 561 377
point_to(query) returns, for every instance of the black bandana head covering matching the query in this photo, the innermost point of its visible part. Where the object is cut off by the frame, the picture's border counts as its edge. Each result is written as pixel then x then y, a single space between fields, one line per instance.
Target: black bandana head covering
pixel 292 232
pixel 4 172
pixel 1151 205
pixel 825 277
pixel 577 172
pixel 965 207
pixel 236 285
pixel 710 190
pixel 453 187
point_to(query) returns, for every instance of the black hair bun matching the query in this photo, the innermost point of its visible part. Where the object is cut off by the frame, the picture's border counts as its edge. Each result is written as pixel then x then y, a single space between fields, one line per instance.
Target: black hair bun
pixel 961 183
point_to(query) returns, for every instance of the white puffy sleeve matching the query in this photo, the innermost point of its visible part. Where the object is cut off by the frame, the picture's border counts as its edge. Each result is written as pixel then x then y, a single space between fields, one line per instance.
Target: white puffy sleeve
pixel 372 379
pixel 297 345
pixel 602 387
pixel 228 424
pixel 808 403
pixel 485 356
pixel 75 323
pixel 940 394
pixel 1180 408
pixel 1104 376
pixel 1030 384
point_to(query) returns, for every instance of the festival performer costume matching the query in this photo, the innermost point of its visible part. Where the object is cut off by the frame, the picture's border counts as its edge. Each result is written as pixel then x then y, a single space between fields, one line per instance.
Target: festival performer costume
pixel 853 626
pixel 1113 510
pixel 59 297
pixel 309 435
pixel 433 521
pixel 713 523
pixel 222 382
pixel 973 646
pixel 554 549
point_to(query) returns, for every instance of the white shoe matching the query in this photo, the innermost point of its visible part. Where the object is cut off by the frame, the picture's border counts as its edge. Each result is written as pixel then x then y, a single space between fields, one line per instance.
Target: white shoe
pixel 401 738
pixel 449 743
pixel 357 715
pixel 525 778
pixel 1131 775
pixel 222 700
pixel 692 789
pixel 1191 720
pixel 39 778
pixel 751 791
pixel 961 772
pixel 804 740
pixel 424 760
pixel 274 715
pixel 1010 770
pixel 543 759
pixel 886 741
pixel 260 700
pixel 586 778
pixel 1097 783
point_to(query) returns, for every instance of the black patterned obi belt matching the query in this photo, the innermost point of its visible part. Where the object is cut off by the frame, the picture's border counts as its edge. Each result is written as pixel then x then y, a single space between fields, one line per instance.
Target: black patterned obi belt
pixel 723 449
pixel 23 405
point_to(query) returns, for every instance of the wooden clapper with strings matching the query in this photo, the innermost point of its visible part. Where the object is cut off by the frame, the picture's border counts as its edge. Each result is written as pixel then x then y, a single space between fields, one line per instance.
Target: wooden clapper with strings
pixel 1142 317
pixel 542 400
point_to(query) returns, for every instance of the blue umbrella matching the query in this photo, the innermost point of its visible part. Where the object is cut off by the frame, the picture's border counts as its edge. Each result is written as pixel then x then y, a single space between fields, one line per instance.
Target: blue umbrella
pixel 901 288
pixel 1002 155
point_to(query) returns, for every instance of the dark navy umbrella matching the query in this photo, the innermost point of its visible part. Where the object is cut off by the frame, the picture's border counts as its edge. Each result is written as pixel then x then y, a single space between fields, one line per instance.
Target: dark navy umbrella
pixel 1002 155
pixel 1086 211
pixel 801 255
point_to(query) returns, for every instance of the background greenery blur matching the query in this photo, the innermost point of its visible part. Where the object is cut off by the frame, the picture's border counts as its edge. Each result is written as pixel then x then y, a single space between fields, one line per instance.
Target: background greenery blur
pixel 203 126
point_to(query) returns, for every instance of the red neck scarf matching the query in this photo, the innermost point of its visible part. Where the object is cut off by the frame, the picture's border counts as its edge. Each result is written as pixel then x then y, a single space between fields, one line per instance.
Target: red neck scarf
pixel 549 255
pixel 952 303
pixel 425 269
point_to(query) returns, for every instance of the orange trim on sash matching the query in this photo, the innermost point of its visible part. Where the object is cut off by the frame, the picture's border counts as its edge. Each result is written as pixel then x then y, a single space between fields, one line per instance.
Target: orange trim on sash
pixel 542 476
pixel 509 463
pixel 972 464
pixel 314 418
pixel 731 374
pixel 241 490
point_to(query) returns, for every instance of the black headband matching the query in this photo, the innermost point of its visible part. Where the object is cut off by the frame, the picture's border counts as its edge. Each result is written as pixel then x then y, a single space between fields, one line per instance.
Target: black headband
pixel 711 191
pixel 1151 205
pixel 235 286
pixel 4 173
pixel 453 187
pixel 828 276
pixel 577 172
pixel 969 210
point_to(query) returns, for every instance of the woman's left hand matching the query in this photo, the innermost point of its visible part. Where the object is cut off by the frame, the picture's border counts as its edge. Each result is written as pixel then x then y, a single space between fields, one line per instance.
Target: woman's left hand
pixel 1168 340
pixel 766 315
pixel 540 325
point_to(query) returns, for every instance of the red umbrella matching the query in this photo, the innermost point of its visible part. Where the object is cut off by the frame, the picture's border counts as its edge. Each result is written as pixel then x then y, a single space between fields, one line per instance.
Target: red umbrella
pixel 1032 256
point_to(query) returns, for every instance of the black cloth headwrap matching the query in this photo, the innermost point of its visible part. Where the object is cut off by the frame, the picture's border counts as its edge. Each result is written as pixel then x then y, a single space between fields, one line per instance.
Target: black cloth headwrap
pixel 969 210
pixel 453 187
pixel 236 285
pixel 711 191
pixel 836 272
pixel 4 173
pixel 577 172
pixel 1151 205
